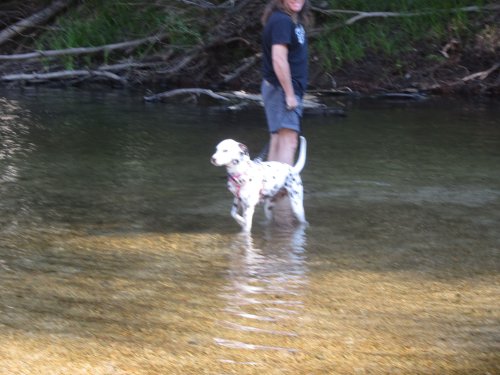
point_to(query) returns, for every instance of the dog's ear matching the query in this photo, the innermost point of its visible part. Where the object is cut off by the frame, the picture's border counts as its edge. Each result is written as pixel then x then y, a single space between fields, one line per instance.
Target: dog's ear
pixel 244 149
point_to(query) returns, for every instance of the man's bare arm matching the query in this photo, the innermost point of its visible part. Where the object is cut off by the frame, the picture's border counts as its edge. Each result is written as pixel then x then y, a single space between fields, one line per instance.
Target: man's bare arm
pixel 281 68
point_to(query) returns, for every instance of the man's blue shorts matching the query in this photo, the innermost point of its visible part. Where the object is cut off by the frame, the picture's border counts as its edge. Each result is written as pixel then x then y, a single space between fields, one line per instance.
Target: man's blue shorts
pixel 278 116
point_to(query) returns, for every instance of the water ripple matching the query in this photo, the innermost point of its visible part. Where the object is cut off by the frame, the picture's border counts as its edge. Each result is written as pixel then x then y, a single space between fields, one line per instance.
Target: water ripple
pixel 263 293
pixel 242 345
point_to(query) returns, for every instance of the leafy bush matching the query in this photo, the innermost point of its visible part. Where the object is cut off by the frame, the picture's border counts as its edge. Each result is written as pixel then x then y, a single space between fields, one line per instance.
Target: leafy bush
pixel 96 23
pixel 427 21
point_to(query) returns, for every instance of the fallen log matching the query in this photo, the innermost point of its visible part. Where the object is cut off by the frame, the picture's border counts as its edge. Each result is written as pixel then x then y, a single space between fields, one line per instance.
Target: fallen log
pixel 239 100
pixel 82 50
pixel 482 75
pixel 34 20
pixel 402 96
pixel 177 92
pixel 235 96
pixel 360 15
pixel 208 5
pixel 129 66
pixel 65 74
pixel 475 80
pixel 309 101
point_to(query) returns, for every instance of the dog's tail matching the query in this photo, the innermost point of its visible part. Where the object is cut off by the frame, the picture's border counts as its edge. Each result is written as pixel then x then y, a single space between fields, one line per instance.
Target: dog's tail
pixel 301 161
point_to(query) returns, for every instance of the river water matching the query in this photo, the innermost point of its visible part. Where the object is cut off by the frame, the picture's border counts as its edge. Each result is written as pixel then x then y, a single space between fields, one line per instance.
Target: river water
pixel 118 254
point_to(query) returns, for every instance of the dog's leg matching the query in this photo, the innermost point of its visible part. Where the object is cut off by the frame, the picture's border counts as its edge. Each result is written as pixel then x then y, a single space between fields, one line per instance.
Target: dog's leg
pixel 268 209
pixel 297 203
pixel 248 212
pixel 234 212
pixel 298 210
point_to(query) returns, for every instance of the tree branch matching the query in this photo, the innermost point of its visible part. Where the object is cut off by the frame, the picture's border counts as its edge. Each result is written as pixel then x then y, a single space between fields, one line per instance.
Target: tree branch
pixel 172 93
pixel 482 75
pixel 34 20
pixel 240 100
pixel 247 64
pixel 359 15
pixel 309 102
pixel 207 4
pixel 65 74
pixel 81 50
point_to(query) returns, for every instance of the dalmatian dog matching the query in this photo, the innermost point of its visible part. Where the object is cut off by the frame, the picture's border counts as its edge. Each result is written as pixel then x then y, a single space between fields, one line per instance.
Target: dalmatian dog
pixel 252 182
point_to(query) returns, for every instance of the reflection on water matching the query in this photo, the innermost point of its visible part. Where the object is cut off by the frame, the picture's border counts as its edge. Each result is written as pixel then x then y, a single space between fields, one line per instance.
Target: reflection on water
pixel 118 254
pixel 264 293
pixel 13 128
pixel 15 125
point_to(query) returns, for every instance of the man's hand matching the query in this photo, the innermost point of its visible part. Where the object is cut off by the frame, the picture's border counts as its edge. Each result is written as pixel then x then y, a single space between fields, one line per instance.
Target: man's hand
pixel 291 102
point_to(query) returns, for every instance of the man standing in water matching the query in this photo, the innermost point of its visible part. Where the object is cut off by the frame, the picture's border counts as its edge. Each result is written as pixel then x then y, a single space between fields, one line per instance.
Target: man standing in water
pixel 285 74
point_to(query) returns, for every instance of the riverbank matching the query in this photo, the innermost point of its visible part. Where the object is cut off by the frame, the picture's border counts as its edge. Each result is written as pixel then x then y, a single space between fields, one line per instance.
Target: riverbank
pixel 435 47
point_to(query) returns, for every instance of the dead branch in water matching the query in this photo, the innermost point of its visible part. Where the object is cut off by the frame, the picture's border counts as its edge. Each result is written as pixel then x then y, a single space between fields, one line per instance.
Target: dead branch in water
pixel 177 92
pixel 240 100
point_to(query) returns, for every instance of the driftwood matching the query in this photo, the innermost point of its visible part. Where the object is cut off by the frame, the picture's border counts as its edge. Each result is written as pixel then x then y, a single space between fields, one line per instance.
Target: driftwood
pixel 240 100
pixel 481 75
pixel 208 5
pixel 34 20
pixel 474 77
pixel 223 96
pixel 82 50
pixel 65 74
pixel 178 92
pixel 359 15
pixel 130 65
pixel 402 96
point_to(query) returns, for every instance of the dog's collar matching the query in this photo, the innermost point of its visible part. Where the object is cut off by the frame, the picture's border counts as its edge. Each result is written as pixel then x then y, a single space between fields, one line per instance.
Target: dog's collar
pixel 236 179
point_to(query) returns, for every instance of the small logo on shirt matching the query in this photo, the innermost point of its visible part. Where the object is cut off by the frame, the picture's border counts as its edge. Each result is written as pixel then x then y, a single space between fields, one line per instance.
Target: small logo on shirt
pixel 301 34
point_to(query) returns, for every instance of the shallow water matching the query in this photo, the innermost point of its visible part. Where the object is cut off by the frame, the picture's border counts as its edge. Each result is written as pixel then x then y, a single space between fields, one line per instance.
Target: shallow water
pixel 118 254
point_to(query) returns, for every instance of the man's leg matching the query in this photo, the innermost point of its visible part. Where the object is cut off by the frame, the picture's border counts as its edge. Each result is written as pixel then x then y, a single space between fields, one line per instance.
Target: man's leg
pixel 283 146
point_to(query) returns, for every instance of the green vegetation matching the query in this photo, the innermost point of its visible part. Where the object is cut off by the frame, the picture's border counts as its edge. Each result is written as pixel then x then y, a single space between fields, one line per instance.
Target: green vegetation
pixel 364 44
pixel 420 22
pixel 97 23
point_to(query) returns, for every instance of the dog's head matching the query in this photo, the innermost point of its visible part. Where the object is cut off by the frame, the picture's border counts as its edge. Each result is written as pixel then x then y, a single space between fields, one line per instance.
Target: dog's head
pixel 229 152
